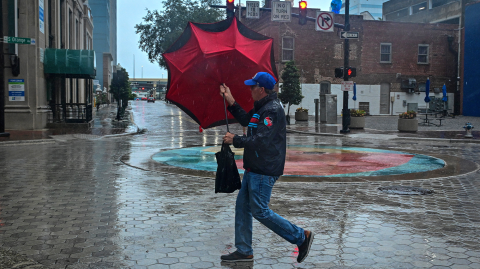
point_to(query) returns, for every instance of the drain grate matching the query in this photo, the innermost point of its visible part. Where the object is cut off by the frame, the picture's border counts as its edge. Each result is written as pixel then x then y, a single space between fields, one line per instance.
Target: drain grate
pixel 404 190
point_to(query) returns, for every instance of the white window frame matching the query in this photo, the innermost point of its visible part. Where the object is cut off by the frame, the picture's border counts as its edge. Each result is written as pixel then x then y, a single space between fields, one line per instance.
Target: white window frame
pixel 284 49
pixel 418 54
pixel 390 60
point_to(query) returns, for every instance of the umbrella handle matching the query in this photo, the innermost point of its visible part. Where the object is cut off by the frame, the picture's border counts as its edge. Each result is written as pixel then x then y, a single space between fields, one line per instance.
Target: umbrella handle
pixel 226 117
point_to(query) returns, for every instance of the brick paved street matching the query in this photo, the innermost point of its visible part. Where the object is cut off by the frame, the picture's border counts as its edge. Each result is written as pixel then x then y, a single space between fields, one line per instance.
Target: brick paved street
pixel 90 202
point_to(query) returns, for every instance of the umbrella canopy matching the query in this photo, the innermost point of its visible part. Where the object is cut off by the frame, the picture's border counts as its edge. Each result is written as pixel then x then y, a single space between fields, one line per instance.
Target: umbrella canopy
pixel 444 89
pixel 354 92
pixel 427 91
pixel 207 55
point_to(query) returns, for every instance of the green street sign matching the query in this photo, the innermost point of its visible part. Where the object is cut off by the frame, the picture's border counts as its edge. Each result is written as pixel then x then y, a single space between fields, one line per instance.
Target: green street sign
pixel 18 40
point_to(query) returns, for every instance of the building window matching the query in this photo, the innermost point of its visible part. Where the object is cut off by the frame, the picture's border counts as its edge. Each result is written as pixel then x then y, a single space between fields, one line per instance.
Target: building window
pixel 422 54
pixel 397 14
pixel 437 3
pixel 287 49
pixel 422 87
pixel 385 52
pixel 419 8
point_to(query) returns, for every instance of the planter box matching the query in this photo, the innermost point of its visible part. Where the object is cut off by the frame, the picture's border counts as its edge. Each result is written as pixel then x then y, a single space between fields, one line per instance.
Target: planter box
pixel 357 122
pixel 407 125
pixel 301 116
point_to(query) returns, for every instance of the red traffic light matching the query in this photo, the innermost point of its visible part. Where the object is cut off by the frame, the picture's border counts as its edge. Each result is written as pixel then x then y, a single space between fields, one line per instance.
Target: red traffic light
pixel 230 1
pixel 302 4
pixel 143 88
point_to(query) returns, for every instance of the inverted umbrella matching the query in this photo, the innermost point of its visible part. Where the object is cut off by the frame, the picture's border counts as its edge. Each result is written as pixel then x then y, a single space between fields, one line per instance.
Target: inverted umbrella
pixel 444 89
pixel 207 55
pixel 427 91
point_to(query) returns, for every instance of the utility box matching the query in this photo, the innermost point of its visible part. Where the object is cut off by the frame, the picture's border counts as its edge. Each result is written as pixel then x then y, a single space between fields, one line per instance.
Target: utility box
pixel 328 108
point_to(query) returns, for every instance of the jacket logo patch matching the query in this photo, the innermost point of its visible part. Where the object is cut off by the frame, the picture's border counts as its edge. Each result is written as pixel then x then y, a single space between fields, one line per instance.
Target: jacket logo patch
pixel 268 121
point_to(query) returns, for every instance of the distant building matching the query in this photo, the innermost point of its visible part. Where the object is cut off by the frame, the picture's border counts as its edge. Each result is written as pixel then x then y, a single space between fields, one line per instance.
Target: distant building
pixel 54 82
pixel 447 12
pixel 393 61
pixel 105 39
pixel 374 7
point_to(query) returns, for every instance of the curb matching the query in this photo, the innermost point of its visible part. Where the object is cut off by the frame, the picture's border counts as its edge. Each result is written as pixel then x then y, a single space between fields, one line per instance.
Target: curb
pixel 471 141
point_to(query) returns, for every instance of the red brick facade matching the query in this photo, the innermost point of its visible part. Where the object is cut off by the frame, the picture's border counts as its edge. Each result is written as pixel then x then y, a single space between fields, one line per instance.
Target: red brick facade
pixel 316 54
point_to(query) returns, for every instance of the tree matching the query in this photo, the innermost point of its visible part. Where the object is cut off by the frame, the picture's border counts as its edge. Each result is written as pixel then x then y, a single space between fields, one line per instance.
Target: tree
pixel 120 89
pixel 161 29
pixel 290 89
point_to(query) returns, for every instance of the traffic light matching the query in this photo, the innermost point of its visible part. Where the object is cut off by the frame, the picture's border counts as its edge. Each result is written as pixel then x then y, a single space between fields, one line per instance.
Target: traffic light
pixel 230 8
pixel 351 72
pixel 302 12
pixel 339 72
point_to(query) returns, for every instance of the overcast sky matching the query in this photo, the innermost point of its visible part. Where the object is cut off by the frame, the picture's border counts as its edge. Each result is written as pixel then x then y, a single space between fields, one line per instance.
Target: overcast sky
pixel 130 13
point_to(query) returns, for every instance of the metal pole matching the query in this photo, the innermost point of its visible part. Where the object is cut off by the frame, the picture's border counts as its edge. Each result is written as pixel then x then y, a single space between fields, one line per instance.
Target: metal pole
pixel 2 80
pixel 345 110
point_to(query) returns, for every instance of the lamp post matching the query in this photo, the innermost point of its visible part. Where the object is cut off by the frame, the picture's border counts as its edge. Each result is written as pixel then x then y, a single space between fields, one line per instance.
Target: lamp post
pixel 142 71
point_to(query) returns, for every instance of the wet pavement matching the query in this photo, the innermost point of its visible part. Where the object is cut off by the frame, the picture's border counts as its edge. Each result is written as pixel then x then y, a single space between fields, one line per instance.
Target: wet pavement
pixel 84 202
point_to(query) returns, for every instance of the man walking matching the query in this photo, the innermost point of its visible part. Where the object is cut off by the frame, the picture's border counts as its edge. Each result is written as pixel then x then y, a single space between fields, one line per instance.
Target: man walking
pixel 263 160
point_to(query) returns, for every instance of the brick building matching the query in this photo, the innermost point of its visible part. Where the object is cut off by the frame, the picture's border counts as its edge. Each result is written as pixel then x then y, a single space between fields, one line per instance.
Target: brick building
pixel 388 55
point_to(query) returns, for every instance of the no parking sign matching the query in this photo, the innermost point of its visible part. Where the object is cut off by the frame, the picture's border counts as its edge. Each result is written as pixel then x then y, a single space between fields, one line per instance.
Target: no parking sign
pixel 324 21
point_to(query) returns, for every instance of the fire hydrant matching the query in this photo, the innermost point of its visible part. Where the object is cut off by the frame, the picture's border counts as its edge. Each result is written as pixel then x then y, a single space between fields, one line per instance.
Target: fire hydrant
pixel 468 128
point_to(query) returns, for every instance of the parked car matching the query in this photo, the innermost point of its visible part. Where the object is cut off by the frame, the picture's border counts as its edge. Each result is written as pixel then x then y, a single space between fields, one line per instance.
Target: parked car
pixel 151 99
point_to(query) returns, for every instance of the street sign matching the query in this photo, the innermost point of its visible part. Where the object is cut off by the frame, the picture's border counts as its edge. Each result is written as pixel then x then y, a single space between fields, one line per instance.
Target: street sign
pixel 281 11
pixel 347 86
pixel 18 40
pixel 324 22
pixel 253 10
pixel 349 35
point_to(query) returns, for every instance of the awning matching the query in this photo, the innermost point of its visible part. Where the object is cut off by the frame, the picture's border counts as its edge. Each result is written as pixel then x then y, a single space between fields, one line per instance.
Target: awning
pixel 70 63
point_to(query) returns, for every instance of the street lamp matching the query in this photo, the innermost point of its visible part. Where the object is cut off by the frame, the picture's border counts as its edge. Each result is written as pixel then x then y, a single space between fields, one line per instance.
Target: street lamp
pixel 142 71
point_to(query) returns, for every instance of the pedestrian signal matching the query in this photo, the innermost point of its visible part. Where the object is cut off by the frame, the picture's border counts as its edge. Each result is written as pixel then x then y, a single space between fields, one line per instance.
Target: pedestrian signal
pixel 351 72
pixel 302 12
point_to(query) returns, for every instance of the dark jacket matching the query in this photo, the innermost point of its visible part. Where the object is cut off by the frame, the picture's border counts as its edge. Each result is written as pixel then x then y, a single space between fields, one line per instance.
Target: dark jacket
pixel 265 144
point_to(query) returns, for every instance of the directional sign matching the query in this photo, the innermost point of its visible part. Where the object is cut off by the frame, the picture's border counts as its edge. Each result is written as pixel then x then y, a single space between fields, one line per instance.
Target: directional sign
pixel 347 85
pixel 253 10
pixel 324 21
pixel 18 40
pixel 349 35
pixel 281 11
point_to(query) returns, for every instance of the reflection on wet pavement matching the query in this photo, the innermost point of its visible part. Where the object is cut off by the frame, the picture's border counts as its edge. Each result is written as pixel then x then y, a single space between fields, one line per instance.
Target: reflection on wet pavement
pixel 76 205
pixel 314 160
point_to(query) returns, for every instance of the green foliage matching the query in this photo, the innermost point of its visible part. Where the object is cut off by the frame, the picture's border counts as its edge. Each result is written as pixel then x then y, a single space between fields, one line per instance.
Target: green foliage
pixel 160 29
pixel 411 114
pixel 290 89
pixel 120 87
pixel 132 96
pixel 357 113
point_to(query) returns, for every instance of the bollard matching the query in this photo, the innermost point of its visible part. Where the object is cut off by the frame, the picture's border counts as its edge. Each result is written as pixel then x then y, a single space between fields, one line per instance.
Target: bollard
pixel 468 128
pixel 317 102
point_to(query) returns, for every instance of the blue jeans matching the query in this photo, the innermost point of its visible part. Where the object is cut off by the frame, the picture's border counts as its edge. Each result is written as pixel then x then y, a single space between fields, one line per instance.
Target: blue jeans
pixel 252 201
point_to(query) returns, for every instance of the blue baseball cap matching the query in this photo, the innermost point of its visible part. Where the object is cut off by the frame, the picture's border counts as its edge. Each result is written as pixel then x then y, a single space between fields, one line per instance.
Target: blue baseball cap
pixel 262 79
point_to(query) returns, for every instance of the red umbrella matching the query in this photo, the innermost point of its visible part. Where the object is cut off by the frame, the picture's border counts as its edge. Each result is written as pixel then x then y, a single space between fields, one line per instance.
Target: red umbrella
pixel 207 55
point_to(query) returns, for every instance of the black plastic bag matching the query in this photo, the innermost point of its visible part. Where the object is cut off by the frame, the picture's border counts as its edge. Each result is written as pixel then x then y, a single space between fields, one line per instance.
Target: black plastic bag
pixel 227 179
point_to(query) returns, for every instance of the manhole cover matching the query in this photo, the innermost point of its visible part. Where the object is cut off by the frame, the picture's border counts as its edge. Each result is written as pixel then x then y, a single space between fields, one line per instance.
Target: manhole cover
pixel 403 190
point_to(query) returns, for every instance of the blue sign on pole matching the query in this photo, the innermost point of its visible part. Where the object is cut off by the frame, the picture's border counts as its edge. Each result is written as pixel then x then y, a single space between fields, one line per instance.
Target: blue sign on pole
pixel 16 90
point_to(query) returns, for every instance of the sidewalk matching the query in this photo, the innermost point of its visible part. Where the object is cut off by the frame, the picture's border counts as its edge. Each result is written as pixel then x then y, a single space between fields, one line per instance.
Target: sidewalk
pixel 104 125
pixel 451 128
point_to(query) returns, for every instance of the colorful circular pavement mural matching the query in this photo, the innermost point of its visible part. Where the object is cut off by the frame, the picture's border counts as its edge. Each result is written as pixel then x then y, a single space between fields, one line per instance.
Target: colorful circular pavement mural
pixel 314 161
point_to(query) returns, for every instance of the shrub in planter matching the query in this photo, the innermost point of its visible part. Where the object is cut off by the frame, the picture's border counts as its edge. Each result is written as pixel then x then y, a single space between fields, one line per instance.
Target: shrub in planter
pixel 411 114
pixel 407 121
pixel 301 114
pixel 357 119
